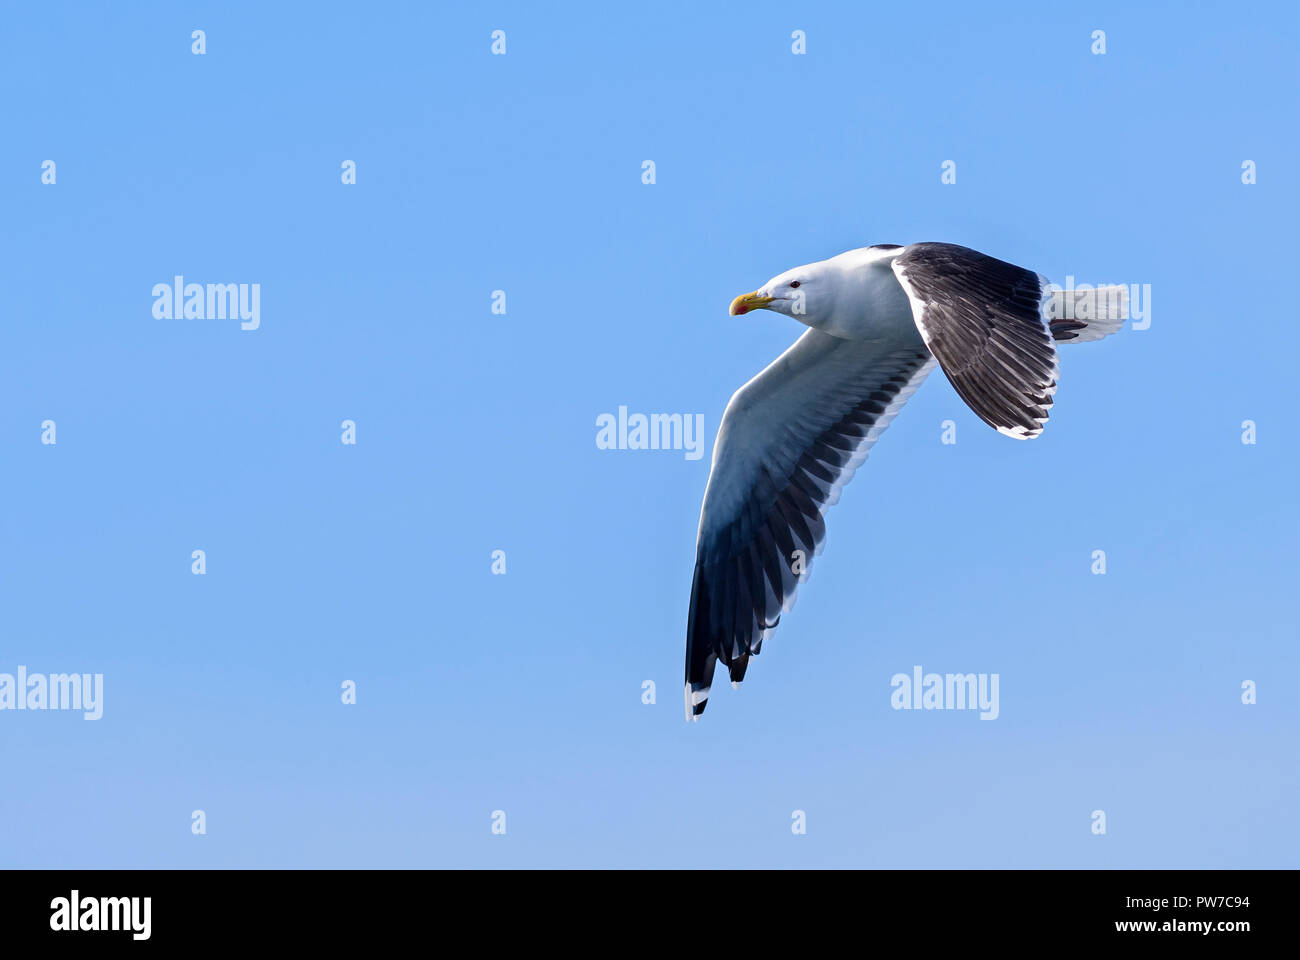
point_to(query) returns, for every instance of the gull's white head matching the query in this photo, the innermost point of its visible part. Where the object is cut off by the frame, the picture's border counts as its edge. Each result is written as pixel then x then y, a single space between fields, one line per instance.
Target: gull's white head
pixel 804 292
pixel 853 295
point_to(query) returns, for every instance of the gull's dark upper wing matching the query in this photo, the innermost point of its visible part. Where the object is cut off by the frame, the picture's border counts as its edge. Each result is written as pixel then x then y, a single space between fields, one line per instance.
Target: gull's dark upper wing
pixel 789 441
pixel 984 320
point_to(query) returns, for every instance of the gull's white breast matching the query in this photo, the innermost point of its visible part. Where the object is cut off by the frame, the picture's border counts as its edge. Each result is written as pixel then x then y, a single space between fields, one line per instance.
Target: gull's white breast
pixel 868 302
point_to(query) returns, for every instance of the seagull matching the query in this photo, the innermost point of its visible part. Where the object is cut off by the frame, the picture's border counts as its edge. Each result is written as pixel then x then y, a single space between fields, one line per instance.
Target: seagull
pixel 879 319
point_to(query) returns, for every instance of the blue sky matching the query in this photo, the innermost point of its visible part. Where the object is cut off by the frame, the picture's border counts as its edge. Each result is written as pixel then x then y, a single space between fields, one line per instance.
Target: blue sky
pixel 476 432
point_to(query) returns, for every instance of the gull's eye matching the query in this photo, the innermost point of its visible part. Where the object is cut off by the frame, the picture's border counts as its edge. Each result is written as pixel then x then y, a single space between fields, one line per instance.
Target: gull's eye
pixel 793 284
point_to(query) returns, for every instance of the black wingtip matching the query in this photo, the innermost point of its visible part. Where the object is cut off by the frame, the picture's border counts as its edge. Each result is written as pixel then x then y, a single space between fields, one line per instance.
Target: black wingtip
pixel 700 656
pixel 737 670
pixel 697 698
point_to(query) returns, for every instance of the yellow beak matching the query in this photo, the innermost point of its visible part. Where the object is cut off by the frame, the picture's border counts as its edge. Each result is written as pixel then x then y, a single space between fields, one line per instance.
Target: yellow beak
pixel 747 302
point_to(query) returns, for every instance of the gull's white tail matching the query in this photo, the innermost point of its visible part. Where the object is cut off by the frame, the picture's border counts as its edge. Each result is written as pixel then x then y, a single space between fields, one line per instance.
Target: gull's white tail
pixel 1079 315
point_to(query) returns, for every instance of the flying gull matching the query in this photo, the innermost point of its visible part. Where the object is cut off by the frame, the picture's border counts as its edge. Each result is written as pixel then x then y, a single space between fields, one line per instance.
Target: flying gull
pixel 879 320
